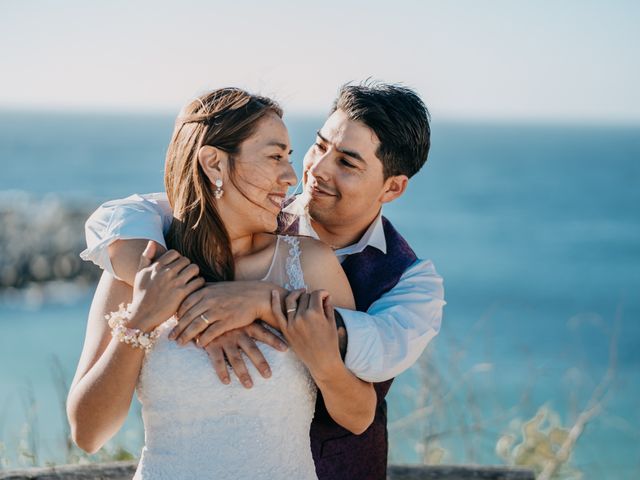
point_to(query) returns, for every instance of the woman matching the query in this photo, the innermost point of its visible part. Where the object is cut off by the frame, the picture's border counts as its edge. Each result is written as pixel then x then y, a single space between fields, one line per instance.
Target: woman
pixel 226 176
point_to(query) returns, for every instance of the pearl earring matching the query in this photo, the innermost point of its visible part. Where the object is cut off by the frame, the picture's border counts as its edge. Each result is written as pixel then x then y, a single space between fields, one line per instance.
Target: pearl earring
pixel 218 191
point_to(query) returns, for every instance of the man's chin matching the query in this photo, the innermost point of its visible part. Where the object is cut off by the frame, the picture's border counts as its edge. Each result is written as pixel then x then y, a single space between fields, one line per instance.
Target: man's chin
pixel 321 211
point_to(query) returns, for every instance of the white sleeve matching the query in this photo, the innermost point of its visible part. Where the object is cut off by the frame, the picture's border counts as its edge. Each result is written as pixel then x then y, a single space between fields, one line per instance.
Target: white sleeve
pixel 393 333
pixel 138 216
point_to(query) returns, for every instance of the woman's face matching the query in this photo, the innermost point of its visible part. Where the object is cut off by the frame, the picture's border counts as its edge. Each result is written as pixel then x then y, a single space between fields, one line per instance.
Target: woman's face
pixel 262 176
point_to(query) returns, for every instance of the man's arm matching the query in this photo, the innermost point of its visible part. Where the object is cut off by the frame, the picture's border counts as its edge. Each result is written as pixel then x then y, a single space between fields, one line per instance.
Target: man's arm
pixel 118 231
pixel 309 327
pixel 393 333
pixel 117 234
pixel 343 338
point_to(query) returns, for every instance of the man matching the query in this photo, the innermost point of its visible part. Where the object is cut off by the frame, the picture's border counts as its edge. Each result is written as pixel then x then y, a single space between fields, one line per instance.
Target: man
pixel 376 138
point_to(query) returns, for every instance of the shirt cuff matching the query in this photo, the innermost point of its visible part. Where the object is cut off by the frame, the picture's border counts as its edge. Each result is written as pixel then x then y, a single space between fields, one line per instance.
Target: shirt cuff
pixel 106 226
pixel 363 345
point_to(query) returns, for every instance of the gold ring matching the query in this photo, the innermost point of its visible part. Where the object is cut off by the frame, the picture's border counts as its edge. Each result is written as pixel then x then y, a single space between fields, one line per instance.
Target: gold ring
pixel 291 310
pixel 205 319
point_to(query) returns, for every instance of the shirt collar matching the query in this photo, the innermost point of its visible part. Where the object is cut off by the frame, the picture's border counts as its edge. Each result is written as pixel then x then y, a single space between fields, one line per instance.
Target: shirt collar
pixel 373 236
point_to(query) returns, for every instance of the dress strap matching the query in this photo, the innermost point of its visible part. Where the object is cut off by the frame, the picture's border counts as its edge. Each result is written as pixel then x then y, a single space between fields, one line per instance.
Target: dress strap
pixel 295 277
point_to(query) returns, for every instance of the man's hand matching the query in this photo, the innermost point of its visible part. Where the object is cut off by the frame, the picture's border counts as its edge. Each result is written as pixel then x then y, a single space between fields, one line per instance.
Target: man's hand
pixel 219 308
pixel 233 343
pixel 310 329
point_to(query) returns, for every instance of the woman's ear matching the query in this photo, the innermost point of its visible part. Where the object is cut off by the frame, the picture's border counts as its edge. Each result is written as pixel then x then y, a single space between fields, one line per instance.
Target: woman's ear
pixel 394 187
pixel 213 162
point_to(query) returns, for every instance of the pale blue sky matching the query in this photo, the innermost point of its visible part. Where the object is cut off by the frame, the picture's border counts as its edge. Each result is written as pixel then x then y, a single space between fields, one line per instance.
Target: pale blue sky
pixel 559 60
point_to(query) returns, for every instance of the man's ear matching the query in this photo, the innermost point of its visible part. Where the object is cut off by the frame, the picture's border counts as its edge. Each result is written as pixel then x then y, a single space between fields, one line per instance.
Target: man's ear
pixel 213 162
pixel 394 187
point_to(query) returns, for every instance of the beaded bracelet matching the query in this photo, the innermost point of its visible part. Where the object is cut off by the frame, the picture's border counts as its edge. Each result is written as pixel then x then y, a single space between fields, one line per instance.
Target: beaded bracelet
pixel 131 336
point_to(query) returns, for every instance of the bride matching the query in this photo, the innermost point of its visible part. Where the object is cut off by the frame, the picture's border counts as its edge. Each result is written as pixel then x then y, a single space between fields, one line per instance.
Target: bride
pixel 226 175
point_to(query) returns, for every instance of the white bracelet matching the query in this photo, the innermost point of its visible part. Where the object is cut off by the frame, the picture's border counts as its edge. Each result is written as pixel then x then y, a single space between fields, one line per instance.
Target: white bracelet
pixel 131 336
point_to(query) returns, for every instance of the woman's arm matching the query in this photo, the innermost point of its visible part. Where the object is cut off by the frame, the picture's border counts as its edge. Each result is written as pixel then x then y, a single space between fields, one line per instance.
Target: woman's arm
pixel 102 389
pixel 107 372
pixel 310 329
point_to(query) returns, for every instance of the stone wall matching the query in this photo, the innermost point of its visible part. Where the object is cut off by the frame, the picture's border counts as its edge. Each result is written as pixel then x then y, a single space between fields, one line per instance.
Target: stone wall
pixel 125 470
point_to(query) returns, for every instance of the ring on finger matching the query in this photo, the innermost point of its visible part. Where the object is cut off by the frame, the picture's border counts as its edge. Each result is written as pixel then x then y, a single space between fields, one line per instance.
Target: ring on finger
pixel 205 319
pixel 291 310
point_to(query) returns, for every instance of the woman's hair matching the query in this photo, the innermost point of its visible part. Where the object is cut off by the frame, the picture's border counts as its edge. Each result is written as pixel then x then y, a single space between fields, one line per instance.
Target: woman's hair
pixel 223 118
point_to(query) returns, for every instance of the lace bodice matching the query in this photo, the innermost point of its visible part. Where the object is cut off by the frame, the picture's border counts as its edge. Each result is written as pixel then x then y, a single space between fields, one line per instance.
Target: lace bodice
pixel 197 427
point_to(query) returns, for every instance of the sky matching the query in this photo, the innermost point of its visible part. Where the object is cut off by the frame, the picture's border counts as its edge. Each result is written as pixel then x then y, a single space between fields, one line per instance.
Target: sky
pixel 523 60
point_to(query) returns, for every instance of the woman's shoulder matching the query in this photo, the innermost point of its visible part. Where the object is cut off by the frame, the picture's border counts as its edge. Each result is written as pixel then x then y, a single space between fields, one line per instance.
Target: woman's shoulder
pixel 310 247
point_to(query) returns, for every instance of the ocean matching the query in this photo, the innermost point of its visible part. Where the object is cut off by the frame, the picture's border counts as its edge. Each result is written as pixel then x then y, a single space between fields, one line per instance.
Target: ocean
pixel 534 227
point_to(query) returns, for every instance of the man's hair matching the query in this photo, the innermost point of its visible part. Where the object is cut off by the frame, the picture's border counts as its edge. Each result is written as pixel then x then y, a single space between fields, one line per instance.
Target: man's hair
pixel 398 117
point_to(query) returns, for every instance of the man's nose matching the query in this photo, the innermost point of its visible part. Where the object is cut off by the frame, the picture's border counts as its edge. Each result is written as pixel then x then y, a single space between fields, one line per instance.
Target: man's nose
pixel 320 167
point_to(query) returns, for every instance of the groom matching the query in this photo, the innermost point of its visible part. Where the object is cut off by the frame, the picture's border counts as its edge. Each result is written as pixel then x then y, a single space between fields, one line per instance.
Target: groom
pixel 376 138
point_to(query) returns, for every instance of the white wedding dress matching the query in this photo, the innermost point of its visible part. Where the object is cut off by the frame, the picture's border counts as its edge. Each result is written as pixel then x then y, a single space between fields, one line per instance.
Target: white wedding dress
pixel 196 427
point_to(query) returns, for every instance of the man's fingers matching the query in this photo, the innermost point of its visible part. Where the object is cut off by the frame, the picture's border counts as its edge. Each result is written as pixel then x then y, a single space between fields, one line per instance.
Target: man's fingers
pixel 238 366
pixel 189 302
pixel 261 334
pixel 213 331
pixel 193 329
pixel 216 355
pixel 184 322
pixel 249 347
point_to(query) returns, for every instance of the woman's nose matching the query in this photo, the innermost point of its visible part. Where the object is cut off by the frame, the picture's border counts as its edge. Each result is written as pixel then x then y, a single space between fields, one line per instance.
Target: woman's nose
pixel 289 177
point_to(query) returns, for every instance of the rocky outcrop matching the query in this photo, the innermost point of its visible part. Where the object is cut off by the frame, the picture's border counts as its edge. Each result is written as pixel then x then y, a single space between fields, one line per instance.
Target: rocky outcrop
pixel 41 239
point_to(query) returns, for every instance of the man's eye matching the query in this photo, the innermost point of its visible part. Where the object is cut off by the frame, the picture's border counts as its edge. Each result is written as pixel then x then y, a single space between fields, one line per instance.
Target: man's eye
pixel 277 158
pixel 347 164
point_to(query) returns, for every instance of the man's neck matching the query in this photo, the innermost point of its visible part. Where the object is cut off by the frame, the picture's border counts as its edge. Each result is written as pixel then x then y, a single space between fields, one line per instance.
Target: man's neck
pixel 340 236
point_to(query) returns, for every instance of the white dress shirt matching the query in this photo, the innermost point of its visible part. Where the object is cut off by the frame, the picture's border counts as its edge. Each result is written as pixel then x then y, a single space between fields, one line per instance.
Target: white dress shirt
pixel 382 343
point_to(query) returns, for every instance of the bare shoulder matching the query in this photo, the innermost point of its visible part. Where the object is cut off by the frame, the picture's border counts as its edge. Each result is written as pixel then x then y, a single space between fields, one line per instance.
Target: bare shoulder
pixel 317 256
pixel 315 248
pixel 322 271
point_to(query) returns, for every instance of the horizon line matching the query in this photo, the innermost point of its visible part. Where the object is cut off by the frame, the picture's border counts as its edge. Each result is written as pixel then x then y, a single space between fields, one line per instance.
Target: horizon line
pixel 447 117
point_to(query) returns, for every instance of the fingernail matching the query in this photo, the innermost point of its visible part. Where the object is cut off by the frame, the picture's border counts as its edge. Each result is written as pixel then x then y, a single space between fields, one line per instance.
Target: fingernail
pixel 247 383
pixel 225 381
pixel 282 347
pixel 266 373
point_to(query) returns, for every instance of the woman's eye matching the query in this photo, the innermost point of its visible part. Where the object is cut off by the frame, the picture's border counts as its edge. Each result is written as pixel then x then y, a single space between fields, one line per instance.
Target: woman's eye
pixel 320 147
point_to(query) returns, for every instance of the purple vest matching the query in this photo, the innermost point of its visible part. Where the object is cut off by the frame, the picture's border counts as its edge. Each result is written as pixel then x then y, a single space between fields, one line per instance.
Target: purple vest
pixel 338 453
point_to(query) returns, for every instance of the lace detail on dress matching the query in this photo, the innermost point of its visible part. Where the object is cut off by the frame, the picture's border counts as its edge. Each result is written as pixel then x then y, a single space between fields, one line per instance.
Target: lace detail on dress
pixel 196 427
pixel 293 267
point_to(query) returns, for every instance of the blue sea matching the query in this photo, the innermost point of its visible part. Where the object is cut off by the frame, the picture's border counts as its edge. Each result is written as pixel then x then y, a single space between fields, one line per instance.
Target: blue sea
pixel 534 227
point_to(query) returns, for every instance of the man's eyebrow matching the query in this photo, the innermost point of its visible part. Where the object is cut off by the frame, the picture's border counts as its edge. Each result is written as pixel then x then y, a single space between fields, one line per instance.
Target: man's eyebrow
pixel 282 146
pixel 349 153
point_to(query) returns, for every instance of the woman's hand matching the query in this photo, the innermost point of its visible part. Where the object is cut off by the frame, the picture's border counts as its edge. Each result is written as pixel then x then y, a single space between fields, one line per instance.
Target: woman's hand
pixel 160 287
pixel 309 328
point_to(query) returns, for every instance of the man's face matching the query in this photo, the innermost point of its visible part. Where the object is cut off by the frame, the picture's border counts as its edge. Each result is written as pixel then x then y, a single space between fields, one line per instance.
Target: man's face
pixel 342 173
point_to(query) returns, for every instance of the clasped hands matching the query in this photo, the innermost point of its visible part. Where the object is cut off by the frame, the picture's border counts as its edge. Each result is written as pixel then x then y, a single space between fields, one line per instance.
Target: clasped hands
pixel 226 319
